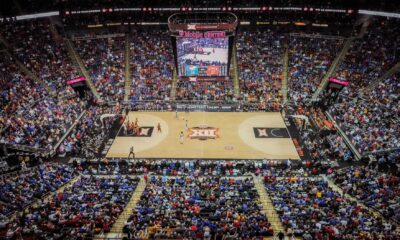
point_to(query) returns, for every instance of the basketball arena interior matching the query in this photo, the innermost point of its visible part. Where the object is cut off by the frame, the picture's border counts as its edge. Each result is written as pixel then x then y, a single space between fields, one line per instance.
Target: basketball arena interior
pixel 214 120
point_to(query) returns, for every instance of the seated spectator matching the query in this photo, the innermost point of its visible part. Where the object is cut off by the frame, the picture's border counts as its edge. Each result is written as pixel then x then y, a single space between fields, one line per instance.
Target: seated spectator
pixel 151 65
pixel 309 60
pixel 309 207
pixel 260 65
pixel 199 208
pixel 211 90
pixel 375 189
pixel 90 206
pixel 367 120
pixel 39 47
pixel 20 191
pixel 104 60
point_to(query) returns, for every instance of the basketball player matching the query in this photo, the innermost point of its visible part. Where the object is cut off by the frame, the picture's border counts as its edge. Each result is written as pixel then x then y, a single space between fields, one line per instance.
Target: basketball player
pixel 176 113
pixel 181 137
pixel 159 127
pixel 186 124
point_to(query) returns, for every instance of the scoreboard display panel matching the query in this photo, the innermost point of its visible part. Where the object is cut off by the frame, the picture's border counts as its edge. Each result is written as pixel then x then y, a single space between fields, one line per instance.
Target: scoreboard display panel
pixel 202 54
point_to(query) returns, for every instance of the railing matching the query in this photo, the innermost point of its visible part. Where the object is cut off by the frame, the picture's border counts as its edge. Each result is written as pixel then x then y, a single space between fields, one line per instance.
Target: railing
pixel 54 150
pixel 170 105
pixel 304 35
pixel 382 151
pixel 209 102
pixel 95 36
pixel 16 173
pixel 26 148
pixel 345 137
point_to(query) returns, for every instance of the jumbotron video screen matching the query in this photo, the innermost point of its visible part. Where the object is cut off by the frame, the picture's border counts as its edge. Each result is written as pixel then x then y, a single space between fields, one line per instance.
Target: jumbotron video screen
pixel 202 56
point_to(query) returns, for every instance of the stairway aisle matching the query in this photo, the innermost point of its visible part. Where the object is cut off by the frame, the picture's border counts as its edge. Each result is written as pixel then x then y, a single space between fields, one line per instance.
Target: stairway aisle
pixel 116 230
pixel 174 84
pixel 235 73
pixel 4 42
pixel 267 206
pixel 393 70
pixel 338 59
pixel 127 67
pixel 284 88
pixel 76 59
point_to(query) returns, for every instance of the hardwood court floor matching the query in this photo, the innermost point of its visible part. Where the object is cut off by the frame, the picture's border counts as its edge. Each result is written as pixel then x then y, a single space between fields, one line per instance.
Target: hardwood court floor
pixel 234 134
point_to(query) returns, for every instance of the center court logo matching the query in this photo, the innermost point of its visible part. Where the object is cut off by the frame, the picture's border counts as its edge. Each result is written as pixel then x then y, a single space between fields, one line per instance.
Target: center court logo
pixel 203 132
pixel 264 132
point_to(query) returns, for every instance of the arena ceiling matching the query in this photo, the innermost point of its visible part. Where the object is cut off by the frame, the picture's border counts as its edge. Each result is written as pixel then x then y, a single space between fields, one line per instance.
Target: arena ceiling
pixel 18 7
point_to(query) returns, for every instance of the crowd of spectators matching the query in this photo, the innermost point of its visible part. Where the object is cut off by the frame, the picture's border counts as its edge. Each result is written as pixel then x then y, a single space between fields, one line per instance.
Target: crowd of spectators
pixel 216 90
pixel 172 167
pixel 38 45
pixel 375 189
pixel 260 64
pixel 366 114
pixel 309 60
pixel 198 198
pixel 371 56
pixel 326 150
pixel 90 206
pixel 370 120
pixel 104 59
pixel 326 147
pixel 309 208
pixel 88 136
pixel 206 208
pixel 17 90
pixel 151 65
pixel 320 119
pixel 36 114
pixel 19 191
pixel 42 124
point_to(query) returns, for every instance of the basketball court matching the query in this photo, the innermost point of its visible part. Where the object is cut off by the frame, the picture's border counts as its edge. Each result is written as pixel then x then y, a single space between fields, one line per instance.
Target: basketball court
pixel 215 55
pixel 206 135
